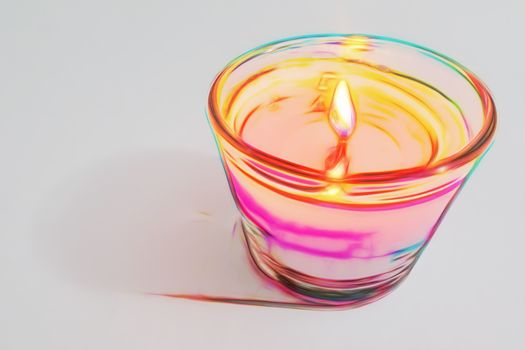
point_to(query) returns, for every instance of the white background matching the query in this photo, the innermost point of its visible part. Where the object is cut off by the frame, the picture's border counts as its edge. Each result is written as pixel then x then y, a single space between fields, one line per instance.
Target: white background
pixel 111 187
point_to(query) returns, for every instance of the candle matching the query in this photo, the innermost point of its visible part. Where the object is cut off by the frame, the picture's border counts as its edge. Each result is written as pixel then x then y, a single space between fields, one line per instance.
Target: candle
pixel 343 152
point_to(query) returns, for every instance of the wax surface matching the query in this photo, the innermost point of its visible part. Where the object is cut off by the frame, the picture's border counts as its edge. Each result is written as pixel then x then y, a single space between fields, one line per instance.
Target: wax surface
pixel 401 123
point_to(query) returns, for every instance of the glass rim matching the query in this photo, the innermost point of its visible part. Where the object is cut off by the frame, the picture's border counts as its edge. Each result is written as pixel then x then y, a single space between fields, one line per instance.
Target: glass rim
pixel 475 148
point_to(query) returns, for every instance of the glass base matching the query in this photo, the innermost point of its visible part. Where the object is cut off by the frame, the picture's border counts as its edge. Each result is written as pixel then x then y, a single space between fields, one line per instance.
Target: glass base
pixel 320 292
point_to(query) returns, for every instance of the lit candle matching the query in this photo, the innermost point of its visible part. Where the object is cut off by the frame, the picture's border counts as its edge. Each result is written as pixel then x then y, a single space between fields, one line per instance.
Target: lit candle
pixel 342 153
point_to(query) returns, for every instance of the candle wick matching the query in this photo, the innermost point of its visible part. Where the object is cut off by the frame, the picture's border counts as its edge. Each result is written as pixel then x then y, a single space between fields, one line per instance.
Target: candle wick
pixel 337 162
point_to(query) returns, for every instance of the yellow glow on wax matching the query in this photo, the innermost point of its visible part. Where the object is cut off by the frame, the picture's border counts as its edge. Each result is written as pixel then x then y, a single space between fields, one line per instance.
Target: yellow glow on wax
pixel 333 191
pixel 339 170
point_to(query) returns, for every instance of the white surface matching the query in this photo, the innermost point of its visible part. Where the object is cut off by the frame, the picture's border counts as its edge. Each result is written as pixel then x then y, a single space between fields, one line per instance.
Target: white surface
pixel 101 106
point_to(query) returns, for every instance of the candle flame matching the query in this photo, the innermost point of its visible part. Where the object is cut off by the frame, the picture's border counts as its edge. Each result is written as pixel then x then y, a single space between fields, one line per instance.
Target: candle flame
pixel 342 112
pixel 342 118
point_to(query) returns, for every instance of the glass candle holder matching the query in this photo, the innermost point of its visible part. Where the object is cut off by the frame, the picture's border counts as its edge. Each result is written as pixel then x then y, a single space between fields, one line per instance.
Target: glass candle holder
pixel 422 123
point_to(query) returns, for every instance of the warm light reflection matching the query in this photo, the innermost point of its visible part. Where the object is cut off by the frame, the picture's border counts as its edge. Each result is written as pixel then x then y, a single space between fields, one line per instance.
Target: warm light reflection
pixel 338 171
